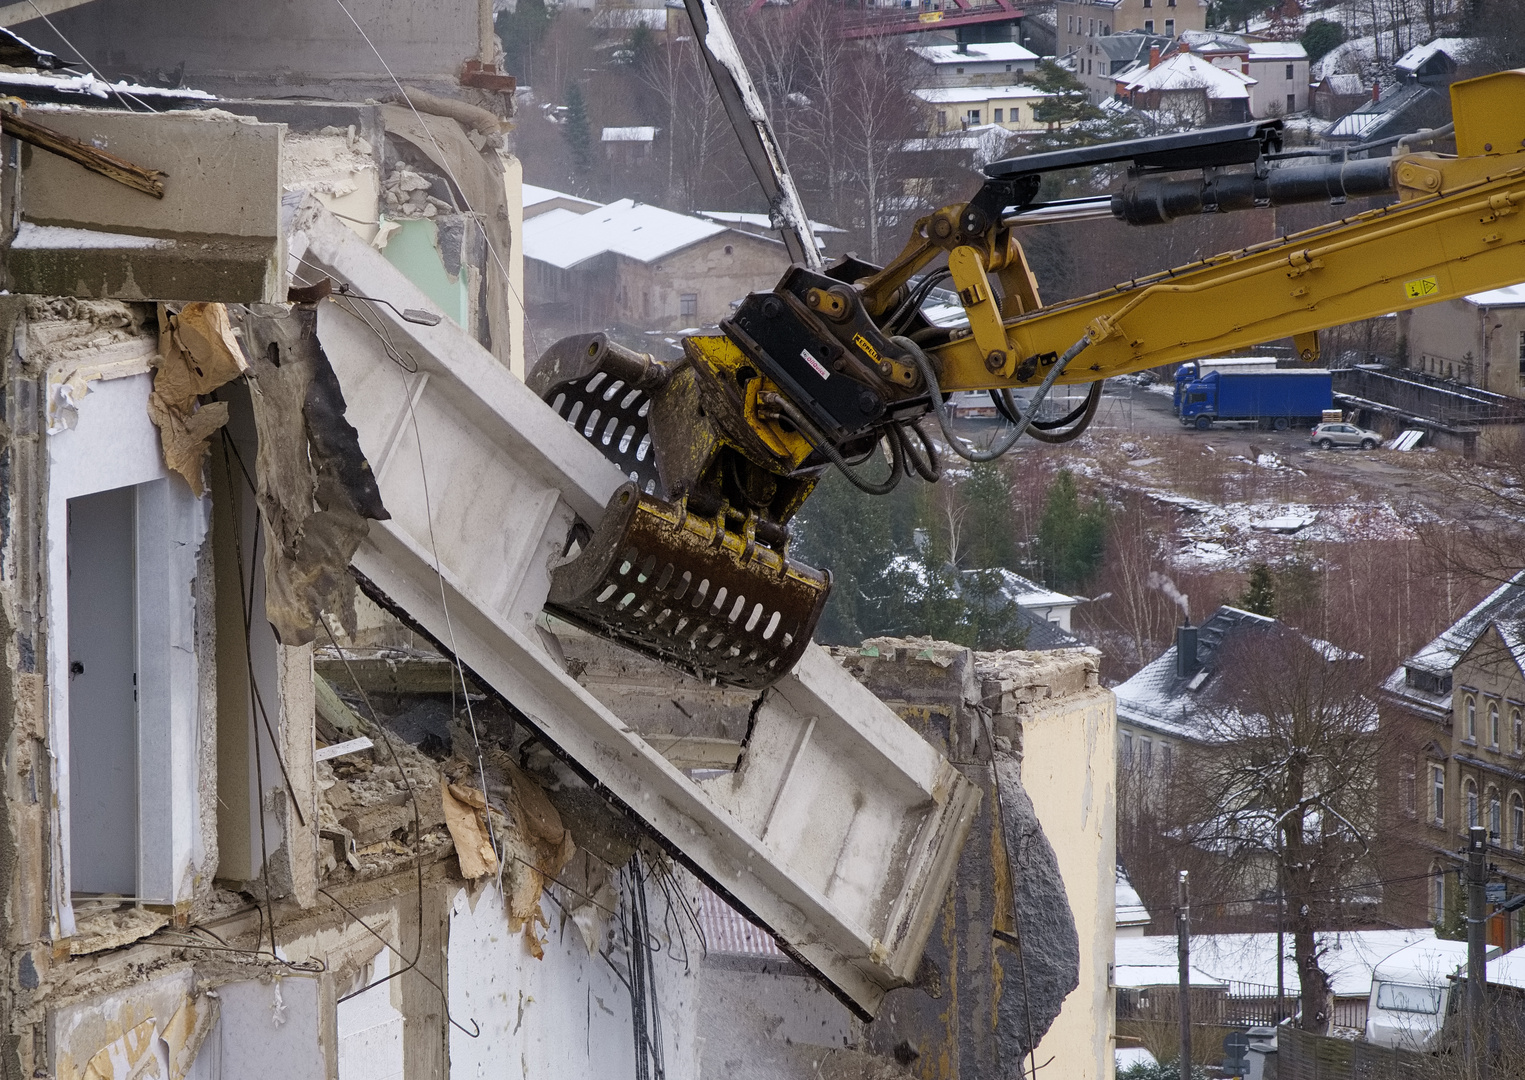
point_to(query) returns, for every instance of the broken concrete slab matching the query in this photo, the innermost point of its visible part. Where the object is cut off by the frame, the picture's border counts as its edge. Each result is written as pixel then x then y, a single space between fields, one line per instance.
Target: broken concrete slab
pixel 215 236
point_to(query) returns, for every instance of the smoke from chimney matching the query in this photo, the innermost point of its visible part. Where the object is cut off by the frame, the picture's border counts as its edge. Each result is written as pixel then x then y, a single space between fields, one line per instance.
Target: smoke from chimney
pixel 1159 581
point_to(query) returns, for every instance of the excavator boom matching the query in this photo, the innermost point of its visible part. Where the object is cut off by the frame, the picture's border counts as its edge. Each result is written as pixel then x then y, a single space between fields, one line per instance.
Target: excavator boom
pixel 723 446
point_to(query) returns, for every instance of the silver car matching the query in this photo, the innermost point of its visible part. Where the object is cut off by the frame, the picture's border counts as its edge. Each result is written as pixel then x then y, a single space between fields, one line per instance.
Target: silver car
pixel 1328 436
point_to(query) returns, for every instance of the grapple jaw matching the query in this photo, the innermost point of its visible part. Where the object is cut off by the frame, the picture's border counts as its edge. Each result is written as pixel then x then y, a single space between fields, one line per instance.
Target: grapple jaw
pixel 690 563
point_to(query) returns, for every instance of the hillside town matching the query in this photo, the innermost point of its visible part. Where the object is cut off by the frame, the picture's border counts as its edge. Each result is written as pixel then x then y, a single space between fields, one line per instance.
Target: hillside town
pixel 805 539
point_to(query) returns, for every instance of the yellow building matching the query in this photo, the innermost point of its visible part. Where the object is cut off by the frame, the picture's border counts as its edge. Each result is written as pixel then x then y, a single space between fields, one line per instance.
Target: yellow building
pixel 953 108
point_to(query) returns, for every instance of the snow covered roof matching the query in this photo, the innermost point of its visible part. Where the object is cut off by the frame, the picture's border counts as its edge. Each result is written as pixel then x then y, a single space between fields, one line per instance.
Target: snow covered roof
pixel 1423 963
pixel 1130 45
pixel 1186 71
pixel 1213 41
pixel 629 134
pixel 1156 696
pixel 635 230
pixel 1345 85
pixel 1508 970
pixel 1506 604
pixel 1508 296
pixel 1458 49
pixel 1277 50
pixel 1349 956
pixel 994 52
pixel 534 195
pixel 1128 905
pixel 1366 120
pixel 1137 976
pixel 953 95
pixel 756 221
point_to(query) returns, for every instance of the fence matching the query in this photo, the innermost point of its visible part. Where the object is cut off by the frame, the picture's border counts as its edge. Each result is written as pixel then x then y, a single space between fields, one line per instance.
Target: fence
pixel 1301 1055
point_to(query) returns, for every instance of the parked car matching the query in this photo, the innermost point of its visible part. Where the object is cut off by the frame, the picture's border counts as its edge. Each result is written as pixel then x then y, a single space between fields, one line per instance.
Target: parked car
pixel 1328 436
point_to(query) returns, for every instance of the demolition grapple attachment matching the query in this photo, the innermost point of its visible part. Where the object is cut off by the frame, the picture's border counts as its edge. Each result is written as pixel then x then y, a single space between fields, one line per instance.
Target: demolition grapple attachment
pixel 690 562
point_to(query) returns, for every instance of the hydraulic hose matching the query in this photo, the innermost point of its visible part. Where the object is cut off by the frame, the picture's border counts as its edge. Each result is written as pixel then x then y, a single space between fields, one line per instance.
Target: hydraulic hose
pixel 924 364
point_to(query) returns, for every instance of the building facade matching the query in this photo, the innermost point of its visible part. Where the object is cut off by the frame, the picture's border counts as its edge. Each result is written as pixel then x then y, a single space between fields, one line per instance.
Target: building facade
pixel 1454 724
pixel 1477 340
pixel 1082 24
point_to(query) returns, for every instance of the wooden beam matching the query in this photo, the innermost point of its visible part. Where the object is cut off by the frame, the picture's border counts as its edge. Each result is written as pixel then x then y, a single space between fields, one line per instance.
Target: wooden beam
pixel 14 14
pixel 148 181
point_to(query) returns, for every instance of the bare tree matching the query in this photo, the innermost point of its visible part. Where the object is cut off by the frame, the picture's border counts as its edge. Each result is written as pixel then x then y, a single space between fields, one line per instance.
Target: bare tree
pixel 1284 788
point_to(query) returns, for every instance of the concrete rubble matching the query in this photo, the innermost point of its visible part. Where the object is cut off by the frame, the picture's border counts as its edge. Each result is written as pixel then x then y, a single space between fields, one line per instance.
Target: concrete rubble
pixel 302 781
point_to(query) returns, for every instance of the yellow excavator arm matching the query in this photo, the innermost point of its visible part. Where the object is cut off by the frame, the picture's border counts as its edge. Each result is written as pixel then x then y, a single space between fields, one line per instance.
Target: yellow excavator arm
pixel 723 446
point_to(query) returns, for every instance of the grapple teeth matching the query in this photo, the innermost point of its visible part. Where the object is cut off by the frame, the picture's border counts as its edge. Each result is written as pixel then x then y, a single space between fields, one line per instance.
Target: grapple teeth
pixel 604 391
pixel 690 592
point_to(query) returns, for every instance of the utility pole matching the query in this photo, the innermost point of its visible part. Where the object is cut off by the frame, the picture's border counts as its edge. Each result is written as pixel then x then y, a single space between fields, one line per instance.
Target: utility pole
pixel 1183 959
pixel 1477 972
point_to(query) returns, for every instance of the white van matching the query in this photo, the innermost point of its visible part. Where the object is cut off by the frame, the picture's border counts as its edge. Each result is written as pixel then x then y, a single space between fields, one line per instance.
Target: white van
pixel 1410 991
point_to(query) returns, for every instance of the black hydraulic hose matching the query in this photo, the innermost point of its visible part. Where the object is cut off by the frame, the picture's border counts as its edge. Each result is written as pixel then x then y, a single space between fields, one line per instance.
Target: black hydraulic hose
pixel 833 455
pixel 924 363
pixel 1006 405
pixel 928 467
pixel 1088 413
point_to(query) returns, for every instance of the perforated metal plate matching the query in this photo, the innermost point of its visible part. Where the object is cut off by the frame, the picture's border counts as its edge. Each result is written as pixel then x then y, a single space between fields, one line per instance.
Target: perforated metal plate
pixel 690 592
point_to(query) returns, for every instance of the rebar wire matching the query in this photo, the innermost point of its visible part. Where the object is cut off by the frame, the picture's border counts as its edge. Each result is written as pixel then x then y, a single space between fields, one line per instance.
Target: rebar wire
pixel 246 604
pixel 444 163
pixel 86 61
pixel 412 966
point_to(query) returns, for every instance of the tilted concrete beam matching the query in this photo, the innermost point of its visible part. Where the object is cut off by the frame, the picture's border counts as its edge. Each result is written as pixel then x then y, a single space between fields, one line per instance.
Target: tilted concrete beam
pixel 841 828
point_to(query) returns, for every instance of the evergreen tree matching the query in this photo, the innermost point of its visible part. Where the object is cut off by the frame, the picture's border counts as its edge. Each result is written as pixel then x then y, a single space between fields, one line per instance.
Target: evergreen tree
pixel 1070 103
pixel 1260 591
pixel 846 531
pixel 989 526
pixel 577 131
pixel 1071 535
pixel 521 31
pixel 1321 36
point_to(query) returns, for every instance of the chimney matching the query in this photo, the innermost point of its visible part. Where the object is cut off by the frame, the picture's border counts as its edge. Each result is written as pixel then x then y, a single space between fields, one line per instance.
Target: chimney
pixel 1154 57
pixel 1376 89
pixel 963 48
pixel 1244 67
pixel 1186 651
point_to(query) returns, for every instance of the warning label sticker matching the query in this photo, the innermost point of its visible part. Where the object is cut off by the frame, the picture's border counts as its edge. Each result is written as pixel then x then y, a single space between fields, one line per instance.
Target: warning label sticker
pixel 1421 287
pixel 820 369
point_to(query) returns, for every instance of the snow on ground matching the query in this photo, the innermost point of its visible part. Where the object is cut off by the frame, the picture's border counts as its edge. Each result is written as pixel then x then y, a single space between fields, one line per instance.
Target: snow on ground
pixel 1268 508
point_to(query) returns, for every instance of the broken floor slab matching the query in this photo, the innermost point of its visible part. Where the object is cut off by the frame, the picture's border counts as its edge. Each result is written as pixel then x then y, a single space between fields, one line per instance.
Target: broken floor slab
pixel 214 236
pixel 484 481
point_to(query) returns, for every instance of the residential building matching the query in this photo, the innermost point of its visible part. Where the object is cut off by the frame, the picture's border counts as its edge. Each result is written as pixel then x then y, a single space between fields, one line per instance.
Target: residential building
pixel 540 200
pixel 1477 340
pixel 1435 63
pixel 972 64
pixel 828 238
pixel 1186 89
pixel 642 266
pixel 955 108
pixel 1133 918
pixel 1082 24
pixel 1394 110
pixel 1118 52
pixel 628 145
pixel 1453 718
pixel 1279 68
pixel 1336 95
pixel 1161 709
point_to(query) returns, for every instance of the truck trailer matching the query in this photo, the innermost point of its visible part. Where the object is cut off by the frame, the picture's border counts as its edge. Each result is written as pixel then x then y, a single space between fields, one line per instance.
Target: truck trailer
pixel 1250 391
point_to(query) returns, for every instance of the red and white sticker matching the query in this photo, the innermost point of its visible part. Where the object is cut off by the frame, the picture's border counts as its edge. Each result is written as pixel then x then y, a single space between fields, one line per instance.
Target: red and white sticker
pixel 820 369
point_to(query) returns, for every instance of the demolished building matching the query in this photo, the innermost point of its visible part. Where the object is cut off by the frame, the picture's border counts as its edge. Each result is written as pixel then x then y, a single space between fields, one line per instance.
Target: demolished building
pixel 258 820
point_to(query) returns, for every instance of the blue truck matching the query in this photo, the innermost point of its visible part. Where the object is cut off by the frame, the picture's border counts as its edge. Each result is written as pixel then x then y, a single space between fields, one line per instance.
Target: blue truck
pixel 1209 392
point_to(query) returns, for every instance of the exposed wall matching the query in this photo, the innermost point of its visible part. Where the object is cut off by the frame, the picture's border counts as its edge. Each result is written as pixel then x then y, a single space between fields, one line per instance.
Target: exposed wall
pixel 1068 755
pixel 292 47
pixel 717 272
pixel 1480 346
